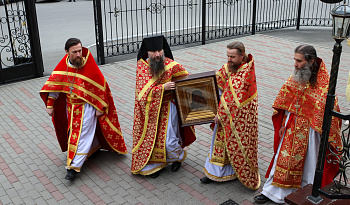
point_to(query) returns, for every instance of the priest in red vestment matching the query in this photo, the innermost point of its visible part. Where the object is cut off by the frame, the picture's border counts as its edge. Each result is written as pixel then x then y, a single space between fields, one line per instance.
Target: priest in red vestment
pixel 234 147
pixel 297 119
pixel 158 138
pixel 80 102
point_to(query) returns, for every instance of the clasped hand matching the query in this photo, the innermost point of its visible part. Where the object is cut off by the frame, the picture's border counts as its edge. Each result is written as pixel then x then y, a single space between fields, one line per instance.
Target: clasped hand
pixel 169 86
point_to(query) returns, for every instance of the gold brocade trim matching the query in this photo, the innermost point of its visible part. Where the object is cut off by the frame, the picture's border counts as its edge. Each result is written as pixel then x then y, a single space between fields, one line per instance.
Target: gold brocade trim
pixel 103 88
pixel 219 143
pixel 219 179
pixel 274 112
pixel 71 147
pixel 222 77
pixel 79 88
pixel 226 68
pixel 84 60
pixel 113 127
pixel 288 171
pixel 156 129
pixel 81 153
pixel 240 105
pixel 145 124
pixel 233 94
pixel 249 99
pixel 193 131
pixel 285 186
pixel 74 103
pixel 161 166
pixel 180 73
pixel 244 66
pixel 281 169
pixel 154 79
pixel 77 169
pixel 113 146
pixel 149 99
pixel 51 97
pixel 151 171
pixel 165 130
pixel 244 153
pixel 296 173
pixel 217 163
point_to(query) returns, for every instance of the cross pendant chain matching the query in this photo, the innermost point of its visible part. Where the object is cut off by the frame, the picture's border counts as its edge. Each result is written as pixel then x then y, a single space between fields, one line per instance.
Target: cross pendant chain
pixel 297 106
pixel 71 89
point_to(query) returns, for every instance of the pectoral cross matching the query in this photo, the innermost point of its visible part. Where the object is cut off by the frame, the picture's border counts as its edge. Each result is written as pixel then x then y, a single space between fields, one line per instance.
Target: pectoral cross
pixel 297 106
pixel 71 89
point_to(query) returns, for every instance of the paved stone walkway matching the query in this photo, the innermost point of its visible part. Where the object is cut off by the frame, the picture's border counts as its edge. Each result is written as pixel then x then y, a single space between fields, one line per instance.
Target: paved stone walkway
pixel 32 165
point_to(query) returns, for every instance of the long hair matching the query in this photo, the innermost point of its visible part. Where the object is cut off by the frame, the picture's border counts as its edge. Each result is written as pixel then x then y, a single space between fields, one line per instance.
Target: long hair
pixel 309 53
pixel 240 48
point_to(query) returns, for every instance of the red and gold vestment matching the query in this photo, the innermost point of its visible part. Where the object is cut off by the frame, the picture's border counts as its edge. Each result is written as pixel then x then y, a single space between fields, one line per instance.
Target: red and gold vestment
pixel 151 114
pixel 236 140
pixel 89 86
pixel 306 105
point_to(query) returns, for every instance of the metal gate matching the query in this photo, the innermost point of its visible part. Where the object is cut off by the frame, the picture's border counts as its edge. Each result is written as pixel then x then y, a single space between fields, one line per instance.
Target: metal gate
pixel 122 24
pixel 20 52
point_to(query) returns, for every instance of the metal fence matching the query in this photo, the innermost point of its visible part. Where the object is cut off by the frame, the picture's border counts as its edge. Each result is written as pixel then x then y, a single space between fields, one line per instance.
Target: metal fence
pixel 14 35
pixel 20 53
pixel 122 24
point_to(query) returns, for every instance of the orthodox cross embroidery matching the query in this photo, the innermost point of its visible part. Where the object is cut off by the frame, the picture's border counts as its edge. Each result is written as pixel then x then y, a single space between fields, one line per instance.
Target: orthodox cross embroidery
pixel 297 106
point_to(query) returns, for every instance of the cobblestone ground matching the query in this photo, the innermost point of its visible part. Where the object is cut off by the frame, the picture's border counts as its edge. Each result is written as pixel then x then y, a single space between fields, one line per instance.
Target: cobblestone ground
pixel 32 164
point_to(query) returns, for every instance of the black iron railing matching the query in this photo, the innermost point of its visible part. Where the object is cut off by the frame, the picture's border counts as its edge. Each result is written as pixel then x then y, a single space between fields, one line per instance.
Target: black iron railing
pixel 122 24
pixel 339 189
pixel 20 51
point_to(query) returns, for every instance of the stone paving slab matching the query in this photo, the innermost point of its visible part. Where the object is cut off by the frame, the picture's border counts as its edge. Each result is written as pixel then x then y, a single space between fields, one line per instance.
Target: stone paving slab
pixel 32 164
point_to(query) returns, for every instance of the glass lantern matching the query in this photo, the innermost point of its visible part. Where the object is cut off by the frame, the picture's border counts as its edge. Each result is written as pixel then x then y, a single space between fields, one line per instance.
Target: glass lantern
pixel 341 21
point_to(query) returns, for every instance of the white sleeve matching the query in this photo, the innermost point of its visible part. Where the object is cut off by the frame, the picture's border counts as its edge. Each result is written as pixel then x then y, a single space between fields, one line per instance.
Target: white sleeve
pixel 54 94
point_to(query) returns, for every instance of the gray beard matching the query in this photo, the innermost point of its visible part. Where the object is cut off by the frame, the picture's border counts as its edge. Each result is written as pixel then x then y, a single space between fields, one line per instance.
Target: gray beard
pixel 303 75
pixel 156 66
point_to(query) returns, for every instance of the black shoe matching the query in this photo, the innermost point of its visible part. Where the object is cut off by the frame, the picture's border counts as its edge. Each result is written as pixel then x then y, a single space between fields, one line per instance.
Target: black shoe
pixel 261 199
pixel 70 1
pixel 206 180
pixel 155 175
pixel 71 173
pixel 175 166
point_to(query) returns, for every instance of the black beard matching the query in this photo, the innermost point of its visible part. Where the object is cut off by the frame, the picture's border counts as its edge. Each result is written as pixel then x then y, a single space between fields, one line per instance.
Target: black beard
pixel 303 75
pixel 156 66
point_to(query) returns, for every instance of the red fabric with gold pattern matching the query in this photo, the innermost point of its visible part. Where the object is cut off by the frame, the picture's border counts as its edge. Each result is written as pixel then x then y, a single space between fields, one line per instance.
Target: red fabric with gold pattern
pixel 151 114
pixel 90 86
pixel 50 102
pixel 238 113
pixel 293 152
pixel 309 113
pixel 75 122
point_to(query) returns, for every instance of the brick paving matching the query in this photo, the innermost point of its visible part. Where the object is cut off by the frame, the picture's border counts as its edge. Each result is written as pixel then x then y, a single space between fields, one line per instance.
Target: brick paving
pixel 32 165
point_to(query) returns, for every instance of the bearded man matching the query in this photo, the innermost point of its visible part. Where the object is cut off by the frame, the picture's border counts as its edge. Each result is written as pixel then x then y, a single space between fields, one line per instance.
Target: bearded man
pixel 234 146
pixel 157 136
pixel 297 119
pixel 80 102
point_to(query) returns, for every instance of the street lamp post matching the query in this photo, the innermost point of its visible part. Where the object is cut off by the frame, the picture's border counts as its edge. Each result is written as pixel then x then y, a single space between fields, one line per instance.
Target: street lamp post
pixel 341 22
